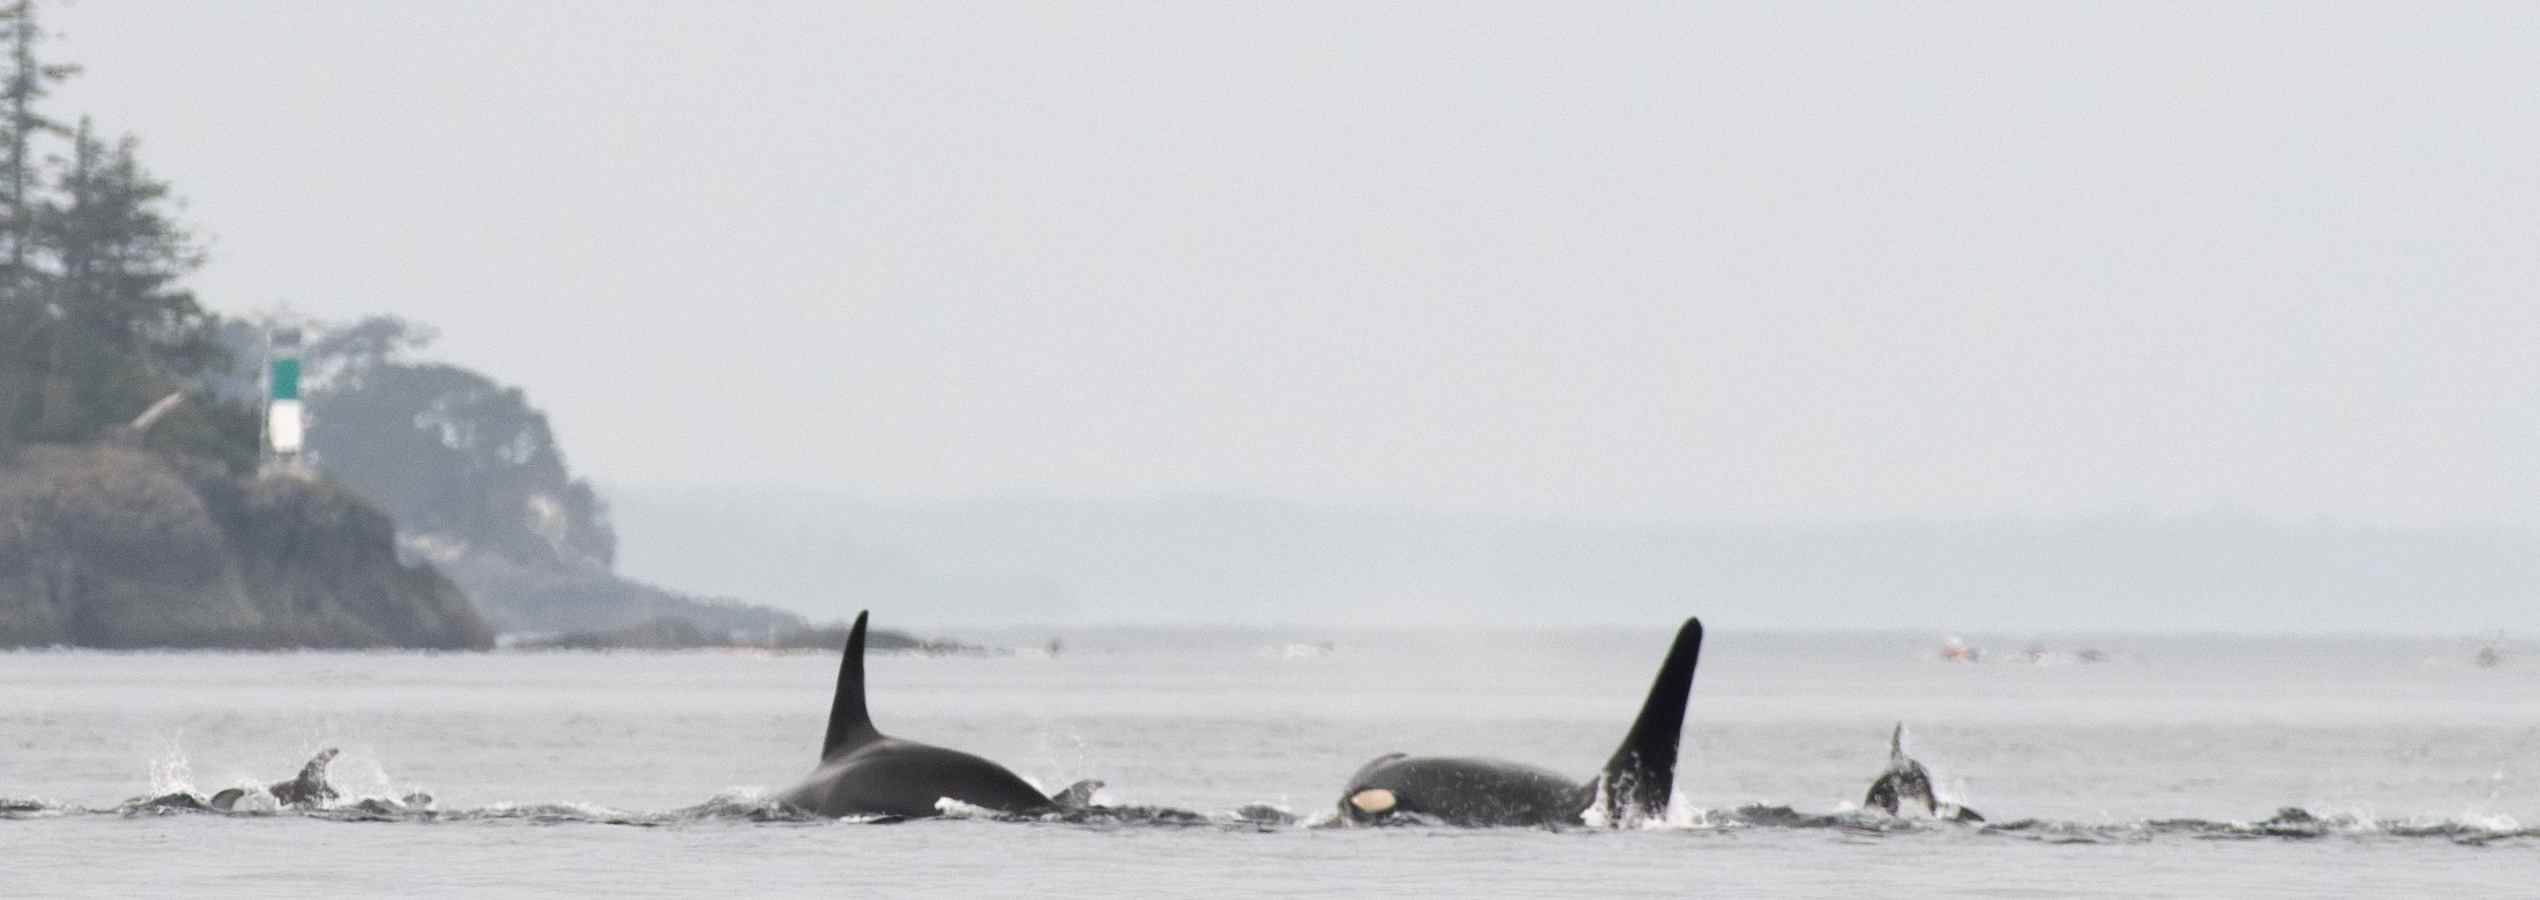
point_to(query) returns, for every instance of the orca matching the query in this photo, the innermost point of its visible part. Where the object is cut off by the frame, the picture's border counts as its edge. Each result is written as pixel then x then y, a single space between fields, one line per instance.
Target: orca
pixel 1635 784
pixel 309 790
pixel 863 772
pixel 1906 779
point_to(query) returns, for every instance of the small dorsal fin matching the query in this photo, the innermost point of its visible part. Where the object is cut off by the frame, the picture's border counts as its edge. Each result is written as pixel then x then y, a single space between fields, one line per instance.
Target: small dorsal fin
pixel 1641 778
pixel 310 787
pixel 1077 796
pixel 849 725
pixel 314 773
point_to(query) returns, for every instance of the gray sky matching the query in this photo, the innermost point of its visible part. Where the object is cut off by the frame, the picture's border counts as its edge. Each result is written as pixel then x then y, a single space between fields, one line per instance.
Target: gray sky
pixel 1749 262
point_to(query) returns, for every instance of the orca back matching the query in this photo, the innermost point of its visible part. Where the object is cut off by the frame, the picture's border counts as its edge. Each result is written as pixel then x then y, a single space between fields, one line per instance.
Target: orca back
pixel 1641 777
pixel 311 785
pixel 850 726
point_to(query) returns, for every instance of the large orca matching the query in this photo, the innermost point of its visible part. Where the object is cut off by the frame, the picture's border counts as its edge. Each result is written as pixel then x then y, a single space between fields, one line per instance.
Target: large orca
pixel 865 772
pixel 1635 784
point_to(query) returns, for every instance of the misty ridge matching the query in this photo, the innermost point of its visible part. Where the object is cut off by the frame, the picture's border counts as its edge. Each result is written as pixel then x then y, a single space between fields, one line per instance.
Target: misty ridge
pixel 1542 364
pixel 1196 559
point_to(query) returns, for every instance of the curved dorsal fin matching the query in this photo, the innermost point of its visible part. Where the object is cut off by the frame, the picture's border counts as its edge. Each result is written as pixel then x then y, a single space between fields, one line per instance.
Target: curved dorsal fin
pixel 310 786
pixel 849 725
pixel 314 773
pixel 1641 777
pixel 1077 796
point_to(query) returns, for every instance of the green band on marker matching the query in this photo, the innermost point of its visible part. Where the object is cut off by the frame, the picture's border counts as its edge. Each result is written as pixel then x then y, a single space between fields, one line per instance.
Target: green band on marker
pixel 286 379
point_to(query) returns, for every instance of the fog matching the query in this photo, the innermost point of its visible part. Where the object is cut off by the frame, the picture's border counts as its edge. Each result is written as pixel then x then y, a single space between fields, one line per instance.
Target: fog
pixel 1654 267
pixel 1195 559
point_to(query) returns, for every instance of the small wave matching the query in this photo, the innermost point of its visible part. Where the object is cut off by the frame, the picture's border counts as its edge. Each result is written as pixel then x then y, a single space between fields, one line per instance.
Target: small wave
pixel 1264 814
pixel 551 814
pixel 1098 816
pixel 31 808
pixel 1116 816
pixel 2288 823
pixel 745 807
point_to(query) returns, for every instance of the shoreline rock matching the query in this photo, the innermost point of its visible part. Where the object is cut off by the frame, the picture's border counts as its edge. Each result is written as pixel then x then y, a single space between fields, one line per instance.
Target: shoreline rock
pixel 118 548
pixel 569 597
pixel 671 633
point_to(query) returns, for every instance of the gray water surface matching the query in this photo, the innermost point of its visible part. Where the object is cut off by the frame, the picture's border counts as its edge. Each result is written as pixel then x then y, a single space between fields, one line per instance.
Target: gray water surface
pixel 2148 774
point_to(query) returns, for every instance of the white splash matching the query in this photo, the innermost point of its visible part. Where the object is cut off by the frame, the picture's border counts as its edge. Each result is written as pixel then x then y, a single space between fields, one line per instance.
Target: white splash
pixel 2497 822
pixel 1682 815
pixel 172 772
pixel 1595 816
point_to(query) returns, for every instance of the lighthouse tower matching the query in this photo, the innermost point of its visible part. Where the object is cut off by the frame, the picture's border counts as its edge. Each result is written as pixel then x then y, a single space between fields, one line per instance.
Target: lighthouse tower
pixel 286 423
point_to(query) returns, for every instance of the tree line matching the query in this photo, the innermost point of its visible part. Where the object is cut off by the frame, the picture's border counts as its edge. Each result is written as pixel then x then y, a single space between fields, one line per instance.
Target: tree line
pixel 95 321
pixel 447 450
pixel 96 326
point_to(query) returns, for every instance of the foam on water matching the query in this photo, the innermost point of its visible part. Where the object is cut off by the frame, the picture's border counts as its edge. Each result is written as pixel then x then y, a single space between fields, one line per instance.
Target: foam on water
pixel 745 806
pixel 2167 771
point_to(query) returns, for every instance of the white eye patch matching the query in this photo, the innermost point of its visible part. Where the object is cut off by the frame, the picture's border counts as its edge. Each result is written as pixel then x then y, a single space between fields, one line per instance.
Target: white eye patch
pixel 1372 801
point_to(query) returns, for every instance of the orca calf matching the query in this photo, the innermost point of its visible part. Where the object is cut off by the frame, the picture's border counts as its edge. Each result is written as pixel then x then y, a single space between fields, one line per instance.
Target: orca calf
pixel 1906 779
pixel 308 790
pixel 1635 784
pixel 865 772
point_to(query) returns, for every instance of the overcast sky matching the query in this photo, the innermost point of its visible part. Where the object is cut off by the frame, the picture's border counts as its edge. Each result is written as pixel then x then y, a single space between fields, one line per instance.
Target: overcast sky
pixel 1773 261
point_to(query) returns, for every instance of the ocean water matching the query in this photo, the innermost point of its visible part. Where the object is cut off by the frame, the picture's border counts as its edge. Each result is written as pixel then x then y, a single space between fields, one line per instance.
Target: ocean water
pixel 2157 772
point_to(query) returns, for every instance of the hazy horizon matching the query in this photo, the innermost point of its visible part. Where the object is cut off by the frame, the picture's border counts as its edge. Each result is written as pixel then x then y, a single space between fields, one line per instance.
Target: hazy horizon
pixel 1200 560
pixel 1643 262
pixel 1297 433
pixel 1665 274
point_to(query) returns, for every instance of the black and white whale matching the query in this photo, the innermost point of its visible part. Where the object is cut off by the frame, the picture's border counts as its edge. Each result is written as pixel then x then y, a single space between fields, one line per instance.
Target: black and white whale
pixel 864 772
pixel 1907 781
pixel 1635 784
pixel 309 789
pixel 306 791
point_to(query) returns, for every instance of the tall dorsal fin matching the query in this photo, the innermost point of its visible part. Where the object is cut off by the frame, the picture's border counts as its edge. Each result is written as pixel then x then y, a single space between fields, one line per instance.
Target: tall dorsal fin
pixel 1896 746
pixel 1641 777
pixel 849 725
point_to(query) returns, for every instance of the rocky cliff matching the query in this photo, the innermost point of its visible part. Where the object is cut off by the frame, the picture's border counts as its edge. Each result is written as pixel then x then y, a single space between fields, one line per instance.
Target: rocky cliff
pixel 104 546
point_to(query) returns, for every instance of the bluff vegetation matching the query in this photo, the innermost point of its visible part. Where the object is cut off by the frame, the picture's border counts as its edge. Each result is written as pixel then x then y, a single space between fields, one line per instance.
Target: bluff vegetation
pixel 158 532
pixel 432 484
pixel 479 487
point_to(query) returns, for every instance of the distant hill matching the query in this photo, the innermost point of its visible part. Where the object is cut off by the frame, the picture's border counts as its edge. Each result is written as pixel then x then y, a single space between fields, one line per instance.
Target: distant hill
pixel 552 598
pixel 478 484
pixel 1214 559
pixel 673 633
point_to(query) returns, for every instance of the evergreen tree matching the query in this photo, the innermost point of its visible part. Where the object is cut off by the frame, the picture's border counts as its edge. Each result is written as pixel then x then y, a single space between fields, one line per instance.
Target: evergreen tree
pixel 94 323
pixel 121 331
pixel 120 255
pixel 449 451
pixel 30 79
pixel 24 312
